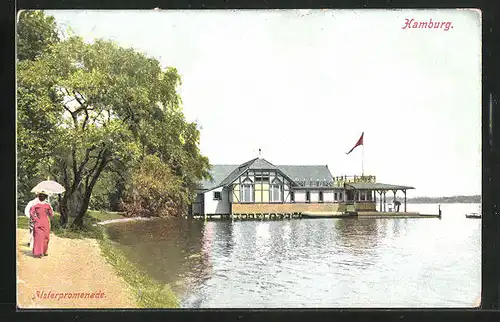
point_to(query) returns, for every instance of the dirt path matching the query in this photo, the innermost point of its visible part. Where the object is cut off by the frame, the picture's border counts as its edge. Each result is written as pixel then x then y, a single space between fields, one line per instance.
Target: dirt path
pixel 73 266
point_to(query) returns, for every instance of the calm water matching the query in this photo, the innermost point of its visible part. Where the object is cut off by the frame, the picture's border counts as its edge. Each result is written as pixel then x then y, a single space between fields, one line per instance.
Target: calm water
pixel 313 262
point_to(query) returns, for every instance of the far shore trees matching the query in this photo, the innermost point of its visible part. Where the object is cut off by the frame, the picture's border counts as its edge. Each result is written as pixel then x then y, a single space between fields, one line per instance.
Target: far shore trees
pixel 94 111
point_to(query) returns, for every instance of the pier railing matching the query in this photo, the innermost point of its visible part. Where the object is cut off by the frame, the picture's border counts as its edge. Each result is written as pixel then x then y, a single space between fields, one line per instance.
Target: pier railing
pixel 340 180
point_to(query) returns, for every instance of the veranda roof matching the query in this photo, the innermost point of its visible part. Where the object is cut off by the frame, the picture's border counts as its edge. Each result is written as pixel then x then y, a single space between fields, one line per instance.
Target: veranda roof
pixel 376 186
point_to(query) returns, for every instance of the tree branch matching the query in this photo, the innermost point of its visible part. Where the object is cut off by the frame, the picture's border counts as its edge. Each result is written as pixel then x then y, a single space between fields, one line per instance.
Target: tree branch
pixel 88 175
pixel 76 178
pixel 79 100
pixel 73 115
pixel 96 172
pixel 85 161
pixel 86 119
pixel 97 117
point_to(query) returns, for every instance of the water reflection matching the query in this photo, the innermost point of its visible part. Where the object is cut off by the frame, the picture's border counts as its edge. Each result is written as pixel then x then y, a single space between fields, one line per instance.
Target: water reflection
pixel 360 233
pixel 309 262
pixel 399 227
pixel 220 233
pixel 166 249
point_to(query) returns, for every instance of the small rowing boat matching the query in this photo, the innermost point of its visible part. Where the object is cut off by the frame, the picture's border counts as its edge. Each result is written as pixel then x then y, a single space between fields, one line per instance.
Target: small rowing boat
pixel 474 215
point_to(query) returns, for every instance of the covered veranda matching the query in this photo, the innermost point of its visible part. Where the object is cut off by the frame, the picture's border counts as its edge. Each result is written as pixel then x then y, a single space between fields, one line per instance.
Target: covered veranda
pixel 374 188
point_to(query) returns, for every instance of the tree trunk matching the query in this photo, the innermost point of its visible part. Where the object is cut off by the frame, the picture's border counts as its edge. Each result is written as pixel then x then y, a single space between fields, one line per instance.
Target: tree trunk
pixel 82 210
pixel 84 198
pixel 70 206
pixel 63 209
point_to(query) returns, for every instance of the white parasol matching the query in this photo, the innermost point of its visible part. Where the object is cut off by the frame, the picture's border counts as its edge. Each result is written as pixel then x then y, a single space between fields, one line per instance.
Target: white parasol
pixel 48 187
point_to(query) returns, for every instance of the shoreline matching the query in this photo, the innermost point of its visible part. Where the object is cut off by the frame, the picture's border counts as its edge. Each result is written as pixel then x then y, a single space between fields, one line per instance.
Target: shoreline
pixel 112 221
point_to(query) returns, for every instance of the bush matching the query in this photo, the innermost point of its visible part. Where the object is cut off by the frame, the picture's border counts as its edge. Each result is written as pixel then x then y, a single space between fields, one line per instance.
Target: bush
pixel 156 191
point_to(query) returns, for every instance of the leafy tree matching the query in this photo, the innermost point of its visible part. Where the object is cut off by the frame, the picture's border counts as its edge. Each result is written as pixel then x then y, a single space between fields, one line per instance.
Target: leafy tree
pixel 172 144
pixel 106 108
pixel 36 33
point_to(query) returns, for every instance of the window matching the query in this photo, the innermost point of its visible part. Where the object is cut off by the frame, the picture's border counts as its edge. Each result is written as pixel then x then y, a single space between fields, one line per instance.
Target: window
pixel 263 179
pixel 363 195
pixel 321 196
pixel 247 191
pixel 292 196
pixel 276 191
pixel 217 195
pixel 308 196
pixel 335 196
pixel 341 196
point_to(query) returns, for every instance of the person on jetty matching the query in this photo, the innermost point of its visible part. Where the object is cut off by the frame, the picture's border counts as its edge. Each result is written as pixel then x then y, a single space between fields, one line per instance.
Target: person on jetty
pixel 27 214
pixel 40 214
pixel 397 204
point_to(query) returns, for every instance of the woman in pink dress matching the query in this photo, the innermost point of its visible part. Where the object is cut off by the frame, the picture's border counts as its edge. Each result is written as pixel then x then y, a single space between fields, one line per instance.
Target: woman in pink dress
pixel 41 214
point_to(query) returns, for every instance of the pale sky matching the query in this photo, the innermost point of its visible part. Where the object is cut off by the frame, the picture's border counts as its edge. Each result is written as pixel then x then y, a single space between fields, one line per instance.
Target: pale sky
pixel 303 84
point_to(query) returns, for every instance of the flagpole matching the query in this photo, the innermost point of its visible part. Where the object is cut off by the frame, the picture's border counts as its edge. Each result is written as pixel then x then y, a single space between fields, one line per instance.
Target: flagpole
pixel 363 161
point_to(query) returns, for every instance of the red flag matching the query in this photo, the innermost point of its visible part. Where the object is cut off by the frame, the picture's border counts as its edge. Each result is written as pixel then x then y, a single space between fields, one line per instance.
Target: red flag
pixel 360 142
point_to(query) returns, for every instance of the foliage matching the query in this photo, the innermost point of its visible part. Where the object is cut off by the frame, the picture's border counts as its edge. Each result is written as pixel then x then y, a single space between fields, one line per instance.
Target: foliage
pixel 36 33
pixel 87 110
pixel 36 121
pixel 108 191
pixel 156 191
pixel 23 222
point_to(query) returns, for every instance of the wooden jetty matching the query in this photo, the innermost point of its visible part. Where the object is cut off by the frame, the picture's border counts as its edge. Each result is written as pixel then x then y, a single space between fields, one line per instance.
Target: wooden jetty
pixel 253 216
pixel 378 214
pixel 311 214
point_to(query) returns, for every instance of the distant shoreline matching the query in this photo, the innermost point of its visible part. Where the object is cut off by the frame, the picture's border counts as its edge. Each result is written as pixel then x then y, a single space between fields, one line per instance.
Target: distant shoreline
pixel 453 199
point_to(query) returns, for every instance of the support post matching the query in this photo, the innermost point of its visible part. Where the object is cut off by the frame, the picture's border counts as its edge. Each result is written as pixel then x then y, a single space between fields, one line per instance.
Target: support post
pixel 385 201
pixel 395 207
pixel 404 191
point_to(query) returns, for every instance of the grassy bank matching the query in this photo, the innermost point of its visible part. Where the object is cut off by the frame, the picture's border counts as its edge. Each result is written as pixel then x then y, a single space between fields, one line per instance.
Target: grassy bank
pixel 149 293
pixel 88 230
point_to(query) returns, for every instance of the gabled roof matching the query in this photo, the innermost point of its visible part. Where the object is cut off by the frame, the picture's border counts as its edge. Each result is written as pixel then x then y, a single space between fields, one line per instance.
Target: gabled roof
pixel 255 164
pixel 262 164
pixel 237 172
pixel 219 172
pixel 224 175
